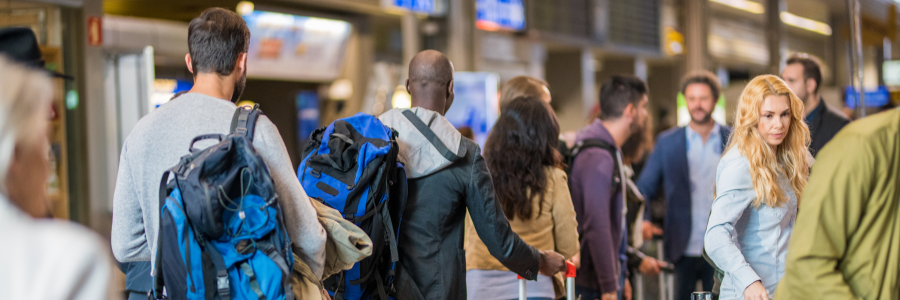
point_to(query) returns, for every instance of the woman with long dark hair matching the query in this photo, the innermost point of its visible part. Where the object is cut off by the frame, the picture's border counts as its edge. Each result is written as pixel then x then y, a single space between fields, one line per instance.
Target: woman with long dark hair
pixel 532 188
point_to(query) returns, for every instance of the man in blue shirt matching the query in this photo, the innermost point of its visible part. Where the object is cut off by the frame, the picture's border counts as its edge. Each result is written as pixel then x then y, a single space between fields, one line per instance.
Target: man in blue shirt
pixel 683 164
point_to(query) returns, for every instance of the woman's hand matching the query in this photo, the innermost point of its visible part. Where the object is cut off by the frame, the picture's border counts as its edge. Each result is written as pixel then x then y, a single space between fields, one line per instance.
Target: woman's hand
pixel 576 260
pixel 756 291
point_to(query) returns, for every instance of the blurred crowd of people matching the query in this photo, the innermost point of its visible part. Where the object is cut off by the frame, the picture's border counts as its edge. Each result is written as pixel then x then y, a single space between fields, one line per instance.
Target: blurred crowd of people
pixel 792 201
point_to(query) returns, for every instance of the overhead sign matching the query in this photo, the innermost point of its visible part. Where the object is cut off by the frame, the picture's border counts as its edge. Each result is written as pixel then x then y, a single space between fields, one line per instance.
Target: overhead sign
pixel 874 98
pixel 290 47
pixel 493 15
pixel 431 7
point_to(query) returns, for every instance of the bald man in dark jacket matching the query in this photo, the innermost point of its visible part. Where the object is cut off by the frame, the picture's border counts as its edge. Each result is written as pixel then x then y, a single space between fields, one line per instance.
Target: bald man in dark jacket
pixel 447 175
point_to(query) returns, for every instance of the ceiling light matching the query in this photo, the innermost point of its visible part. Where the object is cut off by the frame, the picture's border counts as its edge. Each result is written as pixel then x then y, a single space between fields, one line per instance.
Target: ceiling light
pixel 401 98
pixel 808 24
pixel 748 6
pixel 244 8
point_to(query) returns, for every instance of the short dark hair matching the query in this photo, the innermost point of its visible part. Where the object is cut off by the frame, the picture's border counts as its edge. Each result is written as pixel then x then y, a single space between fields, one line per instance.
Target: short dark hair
pixel 704 77
pixel 216 39
pixel 617 92
pixel 811 67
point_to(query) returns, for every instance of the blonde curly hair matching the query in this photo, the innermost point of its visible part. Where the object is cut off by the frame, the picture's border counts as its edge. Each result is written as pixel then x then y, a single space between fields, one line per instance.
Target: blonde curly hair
pixel 791 157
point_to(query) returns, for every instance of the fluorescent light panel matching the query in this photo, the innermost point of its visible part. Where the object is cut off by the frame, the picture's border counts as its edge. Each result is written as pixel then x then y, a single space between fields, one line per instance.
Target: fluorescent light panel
pixel 748 6
pixel 804 23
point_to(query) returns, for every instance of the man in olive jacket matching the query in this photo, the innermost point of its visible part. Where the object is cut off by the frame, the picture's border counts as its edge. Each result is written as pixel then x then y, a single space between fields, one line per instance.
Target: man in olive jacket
pixel 448 175
pixel 845 242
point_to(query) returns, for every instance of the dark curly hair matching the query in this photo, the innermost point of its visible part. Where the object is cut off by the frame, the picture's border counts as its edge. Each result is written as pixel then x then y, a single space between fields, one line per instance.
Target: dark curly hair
pixel 521 144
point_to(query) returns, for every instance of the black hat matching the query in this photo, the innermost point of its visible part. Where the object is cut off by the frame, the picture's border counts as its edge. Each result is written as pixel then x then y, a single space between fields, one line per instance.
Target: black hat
pixel 20 44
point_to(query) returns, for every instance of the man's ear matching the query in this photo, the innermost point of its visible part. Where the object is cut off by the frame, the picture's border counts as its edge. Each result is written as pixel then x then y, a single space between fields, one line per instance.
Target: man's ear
pixel 407 87
pixel 187 61
pixel 630 110
pixel 810 86
pixel 450 88
pixel 241 65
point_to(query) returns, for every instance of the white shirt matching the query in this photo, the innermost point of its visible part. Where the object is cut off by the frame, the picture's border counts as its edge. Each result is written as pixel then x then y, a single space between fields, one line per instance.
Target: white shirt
pixel 51 259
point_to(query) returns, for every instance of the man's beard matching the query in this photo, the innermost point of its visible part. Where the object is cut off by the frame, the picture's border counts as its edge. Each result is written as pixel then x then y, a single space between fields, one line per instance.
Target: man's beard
pixel 239 88
pixel 706 117
pixel 636 127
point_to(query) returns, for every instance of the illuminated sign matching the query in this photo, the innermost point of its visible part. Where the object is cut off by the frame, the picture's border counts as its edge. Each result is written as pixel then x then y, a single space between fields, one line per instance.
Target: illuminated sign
pixel 877 97
pixel 476 104
pixel 293 47
pixel 891 72
pixel 431 7
pixel 493 15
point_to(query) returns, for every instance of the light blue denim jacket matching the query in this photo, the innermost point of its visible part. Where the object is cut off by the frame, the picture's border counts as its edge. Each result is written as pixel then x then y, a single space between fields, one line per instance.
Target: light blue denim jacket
pixel 750 244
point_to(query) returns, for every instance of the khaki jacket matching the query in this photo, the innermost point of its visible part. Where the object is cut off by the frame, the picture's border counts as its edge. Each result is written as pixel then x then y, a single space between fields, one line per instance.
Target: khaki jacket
pixel 846 239
pixel 554 228
pixel 346 245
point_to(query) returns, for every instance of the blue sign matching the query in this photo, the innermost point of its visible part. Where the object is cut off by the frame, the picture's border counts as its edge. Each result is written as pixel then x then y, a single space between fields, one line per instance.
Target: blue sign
pixel 500 15
pixel 307 115
pixel 475 105
pixel 874 98
pixel 425 6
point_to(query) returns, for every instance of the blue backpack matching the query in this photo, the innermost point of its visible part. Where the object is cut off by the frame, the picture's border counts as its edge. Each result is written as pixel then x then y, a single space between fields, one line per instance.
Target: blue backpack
pixel 221 231
pixel 351 165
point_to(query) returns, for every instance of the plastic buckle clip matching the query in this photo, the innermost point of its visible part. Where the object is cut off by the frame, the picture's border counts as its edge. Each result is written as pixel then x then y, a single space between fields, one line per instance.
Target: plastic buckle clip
pixel 222 286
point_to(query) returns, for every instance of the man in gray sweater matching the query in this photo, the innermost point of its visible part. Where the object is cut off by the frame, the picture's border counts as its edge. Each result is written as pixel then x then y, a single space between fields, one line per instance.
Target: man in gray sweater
pixel 218 41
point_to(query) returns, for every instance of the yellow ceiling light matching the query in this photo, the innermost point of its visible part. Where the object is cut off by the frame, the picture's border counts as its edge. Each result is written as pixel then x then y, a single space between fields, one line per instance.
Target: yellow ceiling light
pixel 244 8
pixel 341 89
pixel 401 98
pixel 808 24
pixel 745 5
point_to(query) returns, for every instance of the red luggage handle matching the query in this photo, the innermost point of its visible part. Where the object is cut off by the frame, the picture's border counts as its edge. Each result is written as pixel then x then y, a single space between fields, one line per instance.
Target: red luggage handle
pixel 570 270
pixel 570 283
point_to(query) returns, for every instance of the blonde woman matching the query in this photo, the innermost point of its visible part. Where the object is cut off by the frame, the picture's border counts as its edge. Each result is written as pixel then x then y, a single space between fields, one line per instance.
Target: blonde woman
pixel 758 182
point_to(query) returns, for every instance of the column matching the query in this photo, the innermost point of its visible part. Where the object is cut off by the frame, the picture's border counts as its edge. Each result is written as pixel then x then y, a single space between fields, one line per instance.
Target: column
pixel 775 35
pixel 460 35
pixel 588 81
pixel 409 28
pixel 696 18
pixel 102 130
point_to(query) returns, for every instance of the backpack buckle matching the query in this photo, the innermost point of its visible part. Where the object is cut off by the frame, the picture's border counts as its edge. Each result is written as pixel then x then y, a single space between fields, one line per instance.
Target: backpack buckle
pixel 315 173
pixel 222 286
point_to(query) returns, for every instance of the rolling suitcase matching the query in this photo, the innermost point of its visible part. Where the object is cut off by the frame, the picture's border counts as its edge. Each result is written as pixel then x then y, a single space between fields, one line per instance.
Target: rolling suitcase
pixel 570 283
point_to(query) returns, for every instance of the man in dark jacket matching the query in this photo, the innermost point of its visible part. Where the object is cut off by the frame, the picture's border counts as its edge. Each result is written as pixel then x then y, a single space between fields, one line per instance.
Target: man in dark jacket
pixel 447 175
pixel 803 75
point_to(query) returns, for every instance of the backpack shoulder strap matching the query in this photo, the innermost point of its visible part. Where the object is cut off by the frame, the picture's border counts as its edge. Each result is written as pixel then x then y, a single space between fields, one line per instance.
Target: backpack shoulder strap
pixel 598 143
pixel 244 120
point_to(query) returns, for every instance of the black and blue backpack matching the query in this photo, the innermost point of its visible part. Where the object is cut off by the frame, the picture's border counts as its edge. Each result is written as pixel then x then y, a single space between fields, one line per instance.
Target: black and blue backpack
pixel 221 230
pixel 351 165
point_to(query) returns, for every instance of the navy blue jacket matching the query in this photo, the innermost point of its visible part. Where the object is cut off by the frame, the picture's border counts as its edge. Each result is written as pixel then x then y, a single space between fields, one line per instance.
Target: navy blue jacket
pixel 667 168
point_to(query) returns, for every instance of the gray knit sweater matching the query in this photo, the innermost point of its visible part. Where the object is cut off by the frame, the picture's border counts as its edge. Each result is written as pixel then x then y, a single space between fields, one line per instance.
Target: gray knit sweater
pixel 158 141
